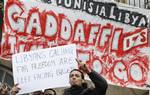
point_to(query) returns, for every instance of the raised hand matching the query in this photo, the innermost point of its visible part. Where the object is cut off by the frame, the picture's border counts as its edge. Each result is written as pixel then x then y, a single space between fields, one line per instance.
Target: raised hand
pixel 15 89
pixel 83 66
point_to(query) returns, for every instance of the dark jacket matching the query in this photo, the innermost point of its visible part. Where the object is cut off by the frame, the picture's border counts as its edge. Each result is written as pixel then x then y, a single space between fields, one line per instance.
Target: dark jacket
pixel 99 82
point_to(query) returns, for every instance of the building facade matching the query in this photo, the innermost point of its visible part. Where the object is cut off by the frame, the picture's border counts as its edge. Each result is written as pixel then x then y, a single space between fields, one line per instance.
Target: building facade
pixel 137 3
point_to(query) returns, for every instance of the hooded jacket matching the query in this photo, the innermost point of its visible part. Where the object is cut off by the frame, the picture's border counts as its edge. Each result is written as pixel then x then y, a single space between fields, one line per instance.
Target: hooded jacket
pixel 99 82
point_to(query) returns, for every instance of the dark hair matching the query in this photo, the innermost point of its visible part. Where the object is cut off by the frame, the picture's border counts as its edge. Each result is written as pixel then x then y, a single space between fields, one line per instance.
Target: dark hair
pixel 82 75
pixel 50 90
pixel 37 93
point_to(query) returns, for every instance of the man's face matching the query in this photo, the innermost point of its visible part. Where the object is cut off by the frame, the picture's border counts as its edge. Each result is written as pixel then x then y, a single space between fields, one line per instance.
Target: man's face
pixel 75 78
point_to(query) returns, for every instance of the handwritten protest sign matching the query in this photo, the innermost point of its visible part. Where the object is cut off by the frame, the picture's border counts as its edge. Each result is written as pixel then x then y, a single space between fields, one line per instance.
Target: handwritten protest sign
pixel 45 68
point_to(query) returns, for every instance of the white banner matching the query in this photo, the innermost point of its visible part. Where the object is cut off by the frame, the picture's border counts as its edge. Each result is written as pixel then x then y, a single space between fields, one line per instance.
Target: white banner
pixel 45 68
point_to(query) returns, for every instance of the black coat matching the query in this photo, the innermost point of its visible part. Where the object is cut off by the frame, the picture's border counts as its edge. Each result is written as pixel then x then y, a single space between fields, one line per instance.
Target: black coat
pixel 99 82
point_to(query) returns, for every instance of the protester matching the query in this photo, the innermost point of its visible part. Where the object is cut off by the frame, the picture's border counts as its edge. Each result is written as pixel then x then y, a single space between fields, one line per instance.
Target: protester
pixel 49 92
pixel 37 93
pixel 78 85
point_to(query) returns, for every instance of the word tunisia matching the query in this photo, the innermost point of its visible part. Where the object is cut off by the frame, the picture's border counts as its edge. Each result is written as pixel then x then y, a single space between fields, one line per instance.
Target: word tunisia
pixel 106 10
pixel 52 26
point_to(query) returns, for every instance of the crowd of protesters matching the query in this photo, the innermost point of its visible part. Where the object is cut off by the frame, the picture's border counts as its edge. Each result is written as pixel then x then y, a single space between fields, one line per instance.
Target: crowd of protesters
pixel 6 90
pixel 78 85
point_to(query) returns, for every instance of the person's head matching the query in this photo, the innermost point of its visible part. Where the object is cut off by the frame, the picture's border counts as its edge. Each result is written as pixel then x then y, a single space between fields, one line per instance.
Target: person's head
pixel 49 92
pixel 76 77
pixel 37 93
